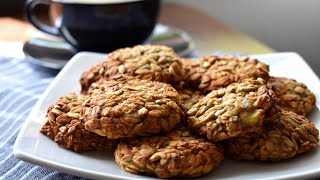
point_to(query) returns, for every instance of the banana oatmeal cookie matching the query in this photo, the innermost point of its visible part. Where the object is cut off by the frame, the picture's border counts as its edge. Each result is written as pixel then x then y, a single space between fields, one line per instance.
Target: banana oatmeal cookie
pixel 292 95
pixel 284 135
pixel 150 62
pixel 65 128
pixel 135 107
pixel 232 111
pixel 211 72
pixel 177 154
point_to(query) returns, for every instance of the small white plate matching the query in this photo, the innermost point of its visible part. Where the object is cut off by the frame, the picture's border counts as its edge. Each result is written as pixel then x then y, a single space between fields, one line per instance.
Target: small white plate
pixel 34 147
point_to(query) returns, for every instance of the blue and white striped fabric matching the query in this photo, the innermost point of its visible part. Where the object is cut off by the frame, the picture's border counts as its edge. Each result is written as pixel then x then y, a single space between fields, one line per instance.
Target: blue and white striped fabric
pixel 21 84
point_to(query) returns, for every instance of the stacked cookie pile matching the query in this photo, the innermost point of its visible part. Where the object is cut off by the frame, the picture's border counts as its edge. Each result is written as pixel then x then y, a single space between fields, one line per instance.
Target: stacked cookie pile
pixel 170 117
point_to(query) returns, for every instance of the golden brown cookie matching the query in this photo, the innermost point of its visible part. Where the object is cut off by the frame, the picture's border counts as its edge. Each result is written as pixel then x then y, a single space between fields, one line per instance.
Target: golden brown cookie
pixel 190 97
pixel 64 127
pixel 211 72
pixel 292 95
pixel 132 108
pixel 150 62
pixel 178 154
pixel 284 135
pixel 193 71
pixel 120 78
pixel 232 111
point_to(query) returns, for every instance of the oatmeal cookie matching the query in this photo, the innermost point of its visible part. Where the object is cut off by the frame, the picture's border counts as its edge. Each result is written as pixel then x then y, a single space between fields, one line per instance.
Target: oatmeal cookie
pixel 292 95
pixel 232 111
pixel 211 72
pixel 193 71
pixel 178 154
pixel 134 107
pixel 65 128
pixel 120 78
pixel 284 134
pixel 190 97
pixel 150 62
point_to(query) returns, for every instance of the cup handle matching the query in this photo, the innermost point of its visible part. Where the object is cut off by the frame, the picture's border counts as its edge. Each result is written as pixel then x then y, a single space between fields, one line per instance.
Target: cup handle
pixel 30 4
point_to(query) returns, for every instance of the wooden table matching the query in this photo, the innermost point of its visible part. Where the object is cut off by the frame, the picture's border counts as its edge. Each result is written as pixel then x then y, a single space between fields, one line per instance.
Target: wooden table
pixel 208 33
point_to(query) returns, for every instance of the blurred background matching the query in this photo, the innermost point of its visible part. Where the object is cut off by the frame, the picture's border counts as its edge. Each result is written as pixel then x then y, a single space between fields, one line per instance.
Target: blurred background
pixel 284 25
pixel 9 7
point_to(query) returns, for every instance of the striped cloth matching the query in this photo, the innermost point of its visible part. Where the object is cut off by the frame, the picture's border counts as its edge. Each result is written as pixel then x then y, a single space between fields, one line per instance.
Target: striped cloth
pixel 21 84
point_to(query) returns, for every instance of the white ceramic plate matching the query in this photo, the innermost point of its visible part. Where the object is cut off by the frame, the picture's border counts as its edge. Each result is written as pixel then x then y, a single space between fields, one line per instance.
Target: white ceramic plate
pixel 34 147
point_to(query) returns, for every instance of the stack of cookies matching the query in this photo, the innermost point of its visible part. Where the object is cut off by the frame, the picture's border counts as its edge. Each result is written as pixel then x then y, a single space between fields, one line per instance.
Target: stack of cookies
pixel 169 117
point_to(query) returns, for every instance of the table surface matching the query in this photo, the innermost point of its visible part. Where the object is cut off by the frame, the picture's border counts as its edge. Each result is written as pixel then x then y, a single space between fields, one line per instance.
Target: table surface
pixel 208 33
